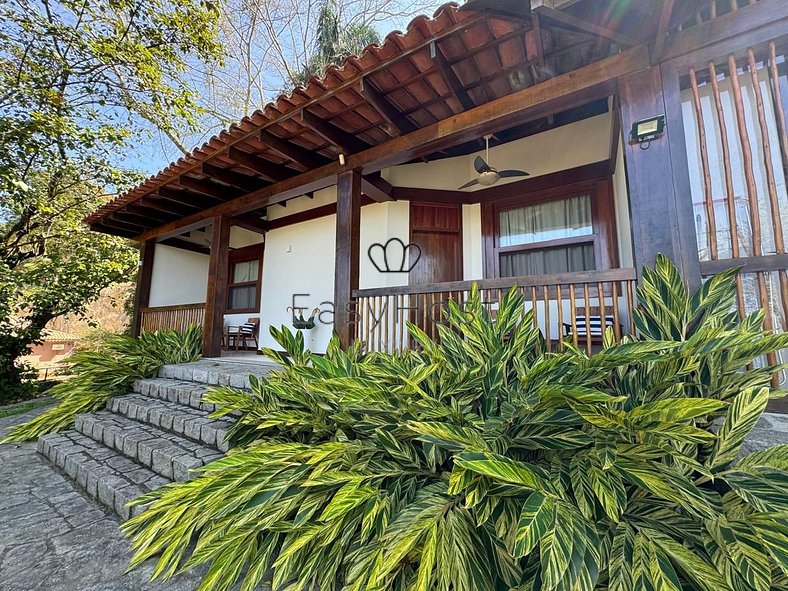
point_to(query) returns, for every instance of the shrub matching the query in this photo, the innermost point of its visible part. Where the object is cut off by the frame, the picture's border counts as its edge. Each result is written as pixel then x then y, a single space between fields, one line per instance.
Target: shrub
pixel 483 462
pixel 108 370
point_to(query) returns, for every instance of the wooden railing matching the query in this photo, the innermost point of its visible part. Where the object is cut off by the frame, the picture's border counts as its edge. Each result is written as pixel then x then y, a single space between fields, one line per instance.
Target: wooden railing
pixel 175 317
pixel 565 307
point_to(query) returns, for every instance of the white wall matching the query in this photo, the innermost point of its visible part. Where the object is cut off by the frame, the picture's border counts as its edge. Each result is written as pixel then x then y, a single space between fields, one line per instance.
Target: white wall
pixel 626 257
pixel 472 247
pixel 179 277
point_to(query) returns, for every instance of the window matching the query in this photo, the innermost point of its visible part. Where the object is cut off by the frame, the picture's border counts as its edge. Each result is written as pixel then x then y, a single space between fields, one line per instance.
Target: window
pixel 565 229
pixel 243 293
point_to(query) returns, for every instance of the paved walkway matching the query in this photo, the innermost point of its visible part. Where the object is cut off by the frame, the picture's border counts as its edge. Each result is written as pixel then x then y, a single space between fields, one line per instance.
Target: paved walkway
pixel 53 538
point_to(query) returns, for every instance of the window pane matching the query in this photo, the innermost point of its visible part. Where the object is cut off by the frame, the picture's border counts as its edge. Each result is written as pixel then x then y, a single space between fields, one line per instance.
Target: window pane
pixel 562 259
pixel 566 218
pixel 245 271
pixel 243 297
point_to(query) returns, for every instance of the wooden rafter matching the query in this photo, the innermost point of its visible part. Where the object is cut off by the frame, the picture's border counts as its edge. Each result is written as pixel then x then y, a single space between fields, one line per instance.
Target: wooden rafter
pixel 396 120
pixel 376 187
pixel 231 177
pixel 452 80
pixel 269 170
pixel 346 142
pixel 301 156
pixel 187 198
pixel 663 26
pixel 156 216
pixel 162 205
pixel 185 245
pixel 250 222
pixel 208 188
pixel 545 9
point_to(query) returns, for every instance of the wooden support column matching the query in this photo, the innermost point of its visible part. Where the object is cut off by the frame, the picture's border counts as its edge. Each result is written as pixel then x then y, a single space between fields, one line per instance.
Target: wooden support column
pixel 658 175
pixel 142 292
pixel 347 252
pixel 216 297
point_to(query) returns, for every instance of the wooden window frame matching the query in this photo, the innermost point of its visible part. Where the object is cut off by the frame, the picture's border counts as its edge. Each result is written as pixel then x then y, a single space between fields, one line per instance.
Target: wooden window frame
pixel 603 219
pixel 244 255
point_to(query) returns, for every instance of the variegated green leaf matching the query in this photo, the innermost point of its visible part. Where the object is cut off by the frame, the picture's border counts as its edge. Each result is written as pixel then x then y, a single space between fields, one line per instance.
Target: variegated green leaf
pixel 535 519
pixel 504 469
pixel 742 416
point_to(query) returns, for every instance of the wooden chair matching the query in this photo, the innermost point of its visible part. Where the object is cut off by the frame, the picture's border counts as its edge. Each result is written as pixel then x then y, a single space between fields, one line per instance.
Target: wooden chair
pixel 592 329
pixel 240 336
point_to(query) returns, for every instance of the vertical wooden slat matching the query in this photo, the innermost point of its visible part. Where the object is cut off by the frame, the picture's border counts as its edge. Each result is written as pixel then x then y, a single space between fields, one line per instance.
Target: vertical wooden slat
pixel 600 294
pixel 547 335
pixel 386 327
pixel 346 265
pixel 630 307
pixel 560 302
pixel 368 331
pixel 587 297
pixel 744 140
pixel 533 305
pixel 573 312
pixel 777 226
pixel 216 295
pixel 704 160
pixel 616 315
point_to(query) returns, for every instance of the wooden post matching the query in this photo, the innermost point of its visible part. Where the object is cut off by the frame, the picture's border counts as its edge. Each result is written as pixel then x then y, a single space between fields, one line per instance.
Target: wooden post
pixel 347 251
pixel 658 175
pixel 142 291
pixel 216 297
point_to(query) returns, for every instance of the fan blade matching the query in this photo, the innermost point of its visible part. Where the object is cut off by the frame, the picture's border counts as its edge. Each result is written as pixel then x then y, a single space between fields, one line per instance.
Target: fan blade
pixel 512 173
pixel 470 184
pixel 480 165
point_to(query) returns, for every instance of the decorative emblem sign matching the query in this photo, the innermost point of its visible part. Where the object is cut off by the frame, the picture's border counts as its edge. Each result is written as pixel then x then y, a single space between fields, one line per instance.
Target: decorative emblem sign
pixel 394 256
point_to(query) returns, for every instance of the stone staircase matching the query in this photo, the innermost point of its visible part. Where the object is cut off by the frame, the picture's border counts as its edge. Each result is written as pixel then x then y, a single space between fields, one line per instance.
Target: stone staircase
pixel 154 435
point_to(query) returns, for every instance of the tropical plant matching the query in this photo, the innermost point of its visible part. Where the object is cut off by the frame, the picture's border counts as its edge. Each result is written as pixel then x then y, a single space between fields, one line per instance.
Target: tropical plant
pixel 483 462
pixel 108 371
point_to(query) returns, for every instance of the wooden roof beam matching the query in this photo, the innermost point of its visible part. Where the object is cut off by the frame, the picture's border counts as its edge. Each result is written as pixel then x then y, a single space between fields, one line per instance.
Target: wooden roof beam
pixel 265 168
pixel 208 188
pixel 545 9
pixel 663 27
pixel 306 158
pixel 128 230
pixel 376 187
pixel 346 142
pixel 234 178
pixel 187 198
pixel 250 222
pixel 134 219
pixel 154 214
pixel 452 80
pixel 156 202
pixel 185 245
pixel 397 120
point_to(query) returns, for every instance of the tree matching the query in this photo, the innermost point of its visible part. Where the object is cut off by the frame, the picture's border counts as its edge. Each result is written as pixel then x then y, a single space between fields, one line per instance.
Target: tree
pixel 80 83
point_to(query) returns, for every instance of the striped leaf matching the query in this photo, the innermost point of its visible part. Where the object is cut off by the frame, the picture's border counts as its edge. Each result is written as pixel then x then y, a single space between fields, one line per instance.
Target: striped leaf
pixel 621 558
pixel 775 458
pixel 742 416
pixel 556 545
pixel 346 499
pixel 537 516
pixel 504 469
pixel 692 566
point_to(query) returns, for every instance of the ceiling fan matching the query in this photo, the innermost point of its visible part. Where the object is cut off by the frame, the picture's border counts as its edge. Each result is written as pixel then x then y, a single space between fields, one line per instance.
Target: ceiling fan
pixel 487 174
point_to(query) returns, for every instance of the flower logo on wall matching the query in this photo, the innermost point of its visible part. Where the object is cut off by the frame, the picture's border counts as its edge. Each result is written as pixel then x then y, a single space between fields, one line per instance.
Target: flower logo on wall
pixel 394 256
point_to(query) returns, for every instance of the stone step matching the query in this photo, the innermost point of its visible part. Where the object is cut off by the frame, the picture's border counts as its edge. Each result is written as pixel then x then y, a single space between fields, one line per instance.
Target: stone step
pixel 215 372
pixel 173 417
pixel 180 391
pixel 106 475
pixel 167 454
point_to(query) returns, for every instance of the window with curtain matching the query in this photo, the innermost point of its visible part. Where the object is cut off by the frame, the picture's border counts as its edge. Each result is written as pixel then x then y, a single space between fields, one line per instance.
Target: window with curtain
pixel 243 294
pixel 547 238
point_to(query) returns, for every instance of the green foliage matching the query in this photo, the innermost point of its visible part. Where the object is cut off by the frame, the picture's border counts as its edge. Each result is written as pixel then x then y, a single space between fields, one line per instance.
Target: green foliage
pixel 109 371
pixel 482 462
pixel 80 84
pixel 334 42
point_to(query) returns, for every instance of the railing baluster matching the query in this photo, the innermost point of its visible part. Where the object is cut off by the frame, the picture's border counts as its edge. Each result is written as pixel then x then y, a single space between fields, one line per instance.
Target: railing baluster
pixel 600 294
pixel 560 310
pixel 587 296
pixel 704 160
pixel 546 295
pixel 749 175
pixel 533 305
pixel 630 307
pixel 573 312
pixel 616 316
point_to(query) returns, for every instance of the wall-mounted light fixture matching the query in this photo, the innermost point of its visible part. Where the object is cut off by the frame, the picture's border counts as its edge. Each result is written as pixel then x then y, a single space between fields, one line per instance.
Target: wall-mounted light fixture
pixel 341 159
pixel 646 130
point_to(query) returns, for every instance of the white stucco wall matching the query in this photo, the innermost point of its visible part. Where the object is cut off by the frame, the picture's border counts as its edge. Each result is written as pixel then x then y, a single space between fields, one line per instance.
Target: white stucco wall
pixel 472 247
pixel 626 256
pixel 179 277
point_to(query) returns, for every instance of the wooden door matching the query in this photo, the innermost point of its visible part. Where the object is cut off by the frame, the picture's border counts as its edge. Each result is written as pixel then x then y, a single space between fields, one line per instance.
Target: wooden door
pixel 437 230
